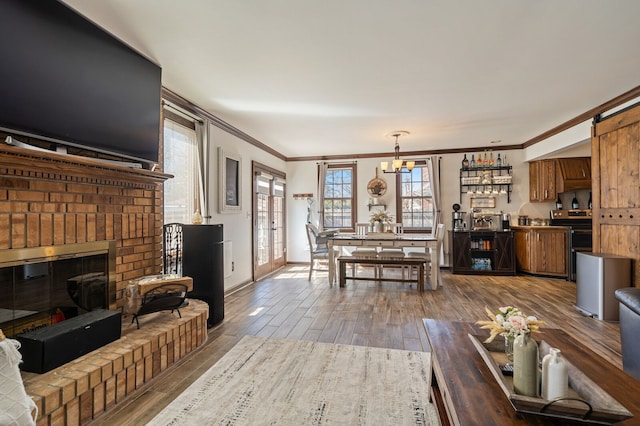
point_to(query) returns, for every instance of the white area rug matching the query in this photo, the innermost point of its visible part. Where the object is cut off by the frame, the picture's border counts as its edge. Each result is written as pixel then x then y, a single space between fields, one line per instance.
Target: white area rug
pixel 290 382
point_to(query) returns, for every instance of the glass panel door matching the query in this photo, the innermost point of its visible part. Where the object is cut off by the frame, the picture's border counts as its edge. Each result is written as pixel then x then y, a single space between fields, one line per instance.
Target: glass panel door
pixel 269 220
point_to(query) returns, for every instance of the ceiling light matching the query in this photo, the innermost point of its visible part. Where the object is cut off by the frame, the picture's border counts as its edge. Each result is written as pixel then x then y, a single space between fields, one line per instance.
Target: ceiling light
pixel 397 164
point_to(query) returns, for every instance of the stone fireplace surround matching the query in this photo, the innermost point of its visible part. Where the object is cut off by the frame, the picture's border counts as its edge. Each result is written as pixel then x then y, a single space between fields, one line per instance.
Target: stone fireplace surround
pixel 50 199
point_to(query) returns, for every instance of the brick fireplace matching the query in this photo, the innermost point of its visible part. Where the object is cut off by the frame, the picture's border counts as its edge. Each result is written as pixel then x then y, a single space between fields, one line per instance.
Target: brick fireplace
pixel 51 199
pixel 54 199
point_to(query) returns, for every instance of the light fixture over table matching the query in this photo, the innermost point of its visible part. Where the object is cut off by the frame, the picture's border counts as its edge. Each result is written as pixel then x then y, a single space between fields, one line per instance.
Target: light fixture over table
pixel 397 165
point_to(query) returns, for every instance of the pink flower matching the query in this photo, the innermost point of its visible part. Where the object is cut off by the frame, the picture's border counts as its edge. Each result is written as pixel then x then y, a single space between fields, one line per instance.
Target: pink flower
pixel 518 322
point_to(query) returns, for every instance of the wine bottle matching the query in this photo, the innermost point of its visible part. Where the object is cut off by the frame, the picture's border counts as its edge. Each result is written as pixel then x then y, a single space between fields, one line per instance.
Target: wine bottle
pixel 590 204
pixel 473 162
pixel 574 202
pixel 465 162
pixel 491 163
pixel 499 161
pixel 558 203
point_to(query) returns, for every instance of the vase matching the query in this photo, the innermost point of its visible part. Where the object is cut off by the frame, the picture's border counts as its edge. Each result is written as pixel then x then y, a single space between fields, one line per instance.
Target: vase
pixel 555 376
pixel 196 219
pixel 508 347
pixel 525 365
pixel 377 226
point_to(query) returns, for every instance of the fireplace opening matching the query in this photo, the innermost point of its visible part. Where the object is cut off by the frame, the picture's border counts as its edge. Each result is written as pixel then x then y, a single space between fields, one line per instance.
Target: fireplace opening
pixel 46 285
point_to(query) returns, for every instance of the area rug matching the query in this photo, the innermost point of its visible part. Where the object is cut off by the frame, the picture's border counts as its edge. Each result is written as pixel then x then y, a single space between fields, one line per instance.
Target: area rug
pixel 263 381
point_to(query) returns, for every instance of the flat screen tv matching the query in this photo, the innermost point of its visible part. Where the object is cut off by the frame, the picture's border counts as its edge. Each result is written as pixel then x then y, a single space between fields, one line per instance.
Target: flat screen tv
pixel 62 78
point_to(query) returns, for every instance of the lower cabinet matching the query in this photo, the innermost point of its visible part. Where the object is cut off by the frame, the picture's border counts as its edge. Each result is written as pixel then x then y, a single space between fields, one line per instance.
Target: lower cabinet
pixel 542 250
pixel 483 252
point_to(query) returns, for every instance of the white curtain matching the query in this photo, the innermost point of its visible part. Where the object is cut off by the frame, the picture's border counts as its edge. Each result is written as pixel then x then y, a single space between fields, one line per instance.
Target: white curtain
pixel 322 177
pixel 434 177
pixel 202 177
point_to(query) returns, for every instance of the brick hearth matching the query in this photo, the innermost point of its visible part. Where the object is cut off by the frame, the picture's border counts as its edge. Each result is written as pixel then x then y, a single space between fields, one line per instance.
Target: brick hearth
pixel 85 388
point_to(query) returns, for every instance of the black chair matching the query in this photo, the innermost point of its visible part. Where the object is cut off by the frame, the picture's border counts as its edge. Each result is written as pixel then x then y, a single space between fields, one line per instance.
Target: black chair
pixel 629 299
pixel 165 297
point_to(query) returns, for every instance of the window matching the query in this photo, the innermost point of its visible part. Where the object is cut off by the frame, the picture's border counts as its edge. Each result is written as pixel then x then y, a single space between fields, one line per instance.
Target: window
pixel 180 160
pixel 416 200
pixel 339 197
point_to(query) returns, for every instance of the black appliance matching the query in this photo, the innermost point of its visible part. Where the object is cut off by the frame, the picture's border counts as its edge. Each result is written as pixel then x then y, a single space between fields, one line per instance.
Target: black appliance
pixel 49 347
pixel 459 218
pixel 580 233
pixel 196 251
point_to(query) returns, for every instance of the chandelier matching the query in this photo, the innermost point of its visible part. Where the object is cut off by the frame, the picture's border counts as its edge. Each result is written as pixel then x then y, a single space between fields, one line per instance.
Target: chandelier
pixel 397 164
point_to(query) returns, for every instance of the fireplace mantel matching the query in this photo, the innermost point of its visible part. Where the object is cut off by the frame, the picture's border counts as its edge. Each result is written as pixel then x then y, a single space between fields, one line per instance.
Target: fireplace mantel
pixel 86 169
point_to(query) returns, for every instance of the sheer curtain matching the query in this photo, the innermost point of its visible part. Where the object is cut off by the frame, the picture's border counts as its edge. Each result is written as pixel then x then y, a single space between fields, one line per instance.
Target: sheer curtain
pixel 202 177
pixel 434 177
pixel 322 177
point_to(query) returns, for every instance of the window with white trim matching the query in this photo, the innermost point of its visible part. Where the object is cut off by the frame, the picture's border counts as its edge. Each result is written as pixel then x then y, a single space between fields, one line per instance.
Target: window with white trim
pixel 339 196
pixel 181 161
pixel 416 201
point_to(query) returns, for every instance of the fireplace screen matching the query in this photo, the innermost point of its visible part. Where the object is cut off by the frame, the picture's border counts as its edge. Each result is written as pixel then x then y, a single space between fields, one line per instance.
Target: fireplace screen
pixel 46 285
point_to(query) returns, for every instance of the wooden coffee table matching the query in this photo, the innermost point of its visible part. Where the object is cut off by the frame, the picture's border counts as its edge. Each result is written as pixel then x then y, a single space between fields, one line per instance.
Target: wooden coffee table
pixel 466 393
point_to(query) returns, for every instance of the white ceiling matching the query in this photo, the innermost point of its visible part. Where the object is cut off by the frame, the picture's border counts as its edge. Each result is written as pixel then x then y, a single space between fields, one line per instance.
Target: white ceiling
pixel 333 77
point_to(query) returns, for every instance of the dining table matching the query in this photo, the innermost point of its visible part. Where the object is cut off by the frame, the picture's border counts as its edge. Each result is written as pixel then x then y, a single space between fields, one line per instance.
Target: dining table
pixel 426 242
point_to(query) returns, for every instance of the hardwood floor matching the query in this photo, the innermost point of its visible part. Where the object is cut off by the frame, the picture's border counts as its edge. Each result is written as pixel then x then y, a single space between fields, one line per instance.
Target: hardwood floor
pixel 370 313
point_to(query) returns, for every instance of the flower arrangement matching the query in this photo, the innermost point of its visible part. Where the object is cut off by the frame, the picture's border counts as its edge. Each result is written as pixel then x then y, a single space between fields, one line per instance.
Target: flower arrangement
pixel 509 322
pixel 380 217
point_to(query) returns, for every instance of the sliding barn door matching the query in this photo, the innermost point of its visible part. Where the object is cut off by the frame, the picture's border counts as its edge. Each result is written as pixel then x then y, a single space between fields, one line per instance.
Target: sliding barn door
pixel 615 164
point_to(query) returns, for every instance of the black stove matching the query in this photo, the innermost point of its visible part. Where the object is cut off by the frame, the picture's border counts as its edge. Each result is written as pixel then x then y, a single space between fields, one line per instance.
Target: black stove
pixel 580 233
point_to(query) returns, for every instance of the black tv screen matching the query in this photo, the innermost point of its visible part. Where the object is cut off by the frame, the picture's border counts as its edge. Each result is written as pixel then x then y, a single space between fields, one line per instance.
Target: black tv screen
pixel 64 78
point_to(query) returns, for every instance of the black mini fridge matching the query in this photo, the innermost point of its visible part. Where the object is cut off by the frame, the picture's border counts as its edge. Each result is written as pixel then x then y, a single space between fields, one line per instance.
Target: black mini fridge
pixel 196 251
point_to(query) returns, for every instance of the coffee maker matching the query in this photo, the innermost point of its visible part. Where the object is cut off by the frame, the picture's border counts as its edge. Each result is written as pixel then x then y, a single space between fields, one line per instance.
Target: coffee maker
pixel 459 219
pixel 505 222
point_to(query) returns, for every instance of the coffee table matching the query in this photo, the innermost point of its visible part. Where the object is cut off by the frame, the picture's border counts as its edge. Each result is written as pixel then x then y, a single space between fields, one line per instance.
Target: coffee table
pixel 466 393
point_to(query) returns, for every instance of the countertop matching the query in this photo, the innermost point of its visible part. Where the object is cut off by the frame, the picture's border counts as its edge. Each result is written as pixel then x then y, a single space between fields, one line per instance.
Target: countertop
pixel 539 227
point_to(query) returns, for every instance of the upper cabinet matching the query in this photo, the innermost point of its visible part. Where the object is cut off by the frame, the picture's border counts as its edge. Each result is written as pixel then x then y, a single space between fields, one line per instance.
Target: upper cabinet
pixel 548 178
pixel 542 180
pixel 573 173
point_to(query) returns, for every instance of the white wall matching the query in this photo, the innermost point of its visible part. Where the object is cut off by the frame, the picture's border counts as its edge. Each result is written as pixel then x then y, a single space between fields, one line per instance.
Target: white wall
pixel 302 175
pixel 237 226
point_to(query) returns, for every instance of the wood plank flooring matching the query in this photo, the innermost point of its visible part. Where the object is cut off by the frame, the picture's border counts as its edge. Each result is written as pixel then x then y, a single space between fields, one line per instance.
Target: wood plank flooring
pixel 369 313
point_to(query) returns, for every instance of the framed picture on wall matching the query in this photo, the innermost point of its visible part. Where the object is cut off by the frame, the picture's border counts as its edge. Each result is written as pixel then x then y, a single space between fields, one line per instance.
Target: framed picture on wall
pixel 230 182
pixel 482 202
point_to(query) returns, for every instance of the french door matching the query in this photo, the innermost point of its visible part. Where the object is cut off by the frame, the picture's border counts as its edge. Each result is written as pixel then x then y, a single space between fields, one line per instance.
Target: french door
pixel 269 240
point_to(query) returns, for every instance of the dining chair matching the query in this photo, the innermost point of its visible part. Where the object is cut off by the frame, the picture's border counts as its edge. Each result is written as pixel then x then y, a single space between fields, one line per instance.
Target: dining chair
pixel 362 229
pixel 396 229
pixel 439 234
pixel 317 253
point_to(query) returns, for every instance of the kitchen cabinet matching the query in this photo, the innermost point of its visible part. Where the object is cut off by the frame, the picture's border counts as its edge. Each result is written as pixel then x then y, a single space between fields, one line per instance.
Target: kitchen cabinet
pixel 548 178
pixel 542 181
pixel 483 252
pixel 542 250
pixel 573 174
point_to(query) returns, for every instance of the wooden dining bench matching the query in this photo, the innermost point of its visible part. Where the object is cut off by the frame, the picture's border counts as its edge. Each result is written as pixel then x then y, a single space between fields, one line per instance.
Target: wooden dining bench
pixel 378 260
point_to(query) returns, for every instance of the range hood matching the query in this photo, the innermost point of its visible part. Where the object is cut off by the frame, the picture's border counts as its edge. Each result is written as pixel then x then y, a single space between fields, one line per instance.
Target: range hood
pixel 573 174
